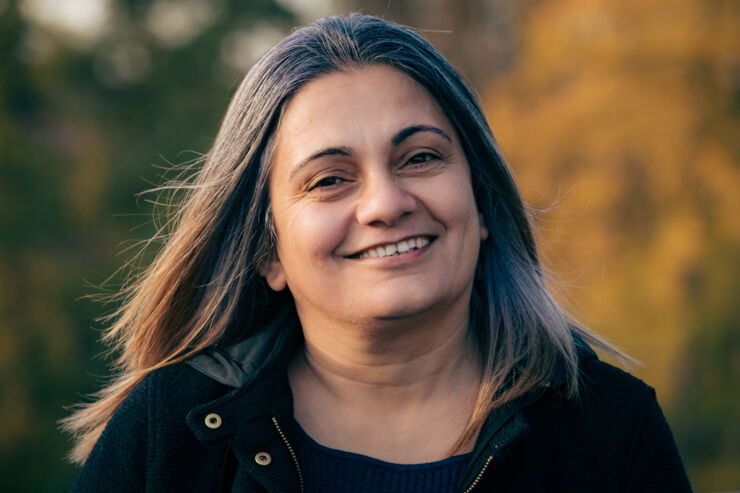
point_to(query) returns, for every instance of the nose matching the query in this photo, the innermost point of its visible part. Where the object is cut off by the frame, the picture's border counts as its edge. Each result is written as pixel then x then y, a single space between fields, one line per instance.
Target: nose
pixel 384 202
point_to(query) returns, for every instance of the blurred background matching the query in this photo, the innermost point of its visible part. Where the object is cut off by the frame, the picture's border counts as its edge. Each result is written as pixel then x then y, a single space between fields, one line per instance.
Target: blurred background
pixel 619 119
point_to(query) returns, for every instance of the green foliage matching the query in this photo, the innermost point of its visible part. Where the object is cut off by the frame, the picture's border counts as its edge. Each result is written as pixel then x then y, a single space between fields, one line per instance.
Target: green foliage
pixel 76 146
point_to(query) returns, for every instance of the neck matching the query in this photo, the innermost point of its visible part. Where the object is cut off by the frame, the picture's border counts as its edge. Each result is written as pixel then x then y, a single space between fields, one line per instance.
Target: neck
pixel 383 390
pixel 386 357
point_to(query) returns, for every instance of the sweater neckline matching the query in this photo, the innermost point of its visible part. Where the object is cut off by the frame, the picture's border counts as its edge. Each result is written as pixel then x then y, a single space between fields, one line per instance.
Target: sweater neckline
pixel 312 444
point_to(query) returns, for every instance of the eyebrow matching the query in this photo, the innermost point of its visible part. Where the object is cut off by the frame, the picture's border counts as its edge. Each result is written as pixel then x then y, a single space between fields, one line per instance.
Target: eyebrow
pixel 329 151
pixel 409 131
pixel 347 151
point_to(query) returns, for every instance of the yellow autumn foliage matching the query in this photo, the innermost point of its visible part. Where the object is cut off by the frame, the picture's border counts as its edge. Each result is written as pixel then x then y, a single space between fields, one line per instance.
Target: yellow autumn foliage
pixel 610 113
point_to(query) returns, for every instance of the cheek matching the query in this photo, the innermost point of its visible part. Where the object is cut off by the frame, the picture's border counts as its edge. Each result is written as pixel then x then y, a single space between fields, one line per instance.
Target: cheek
pixel 311 231
pixel 451 200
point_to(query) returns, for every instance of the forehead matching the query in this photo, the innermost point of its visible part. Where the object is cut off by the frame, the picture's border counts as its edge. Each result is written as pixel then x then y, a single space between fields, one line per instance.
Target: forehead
pixel 355 108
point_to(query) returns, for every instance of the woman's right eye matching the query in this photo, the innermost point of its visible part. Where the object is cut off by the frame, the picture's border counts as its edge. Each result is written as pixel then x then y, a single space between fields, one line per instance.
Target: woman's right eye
pixel 327 182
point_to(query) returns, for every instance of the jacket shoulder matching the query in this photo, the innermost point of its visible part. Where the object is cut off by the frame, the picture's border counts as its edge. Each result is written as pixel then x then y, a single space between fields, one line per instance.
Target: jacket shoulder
pixel 610 403
pixel 649 459
pixel 165 395
pixel 610 409
pixel 602 383
pixel 613 432
pixel 182 386
pixel 147 429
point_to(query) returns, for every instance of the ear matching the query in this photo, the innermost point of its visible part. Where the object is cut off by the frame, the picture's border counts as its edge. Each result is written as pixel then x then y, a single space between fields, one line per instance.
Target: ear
pixel 274 274
pixel 483 229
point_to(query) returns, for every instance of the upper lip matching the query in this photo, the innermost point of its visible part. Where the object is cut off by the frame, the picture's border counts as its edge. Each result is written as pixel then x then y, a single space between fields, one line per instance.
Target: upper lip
pixel 390 242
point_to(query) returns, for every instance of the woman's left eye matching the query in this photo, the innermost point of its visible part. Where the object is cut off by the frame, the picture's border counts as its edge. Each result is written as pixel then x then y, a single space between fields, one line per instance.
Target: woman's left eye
pixel 422 158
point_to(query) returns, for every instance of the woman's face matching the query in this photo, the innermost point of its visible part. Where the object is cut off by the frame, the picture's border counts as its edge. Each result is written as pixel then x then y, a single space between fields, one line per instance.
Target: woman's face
pixel 372 202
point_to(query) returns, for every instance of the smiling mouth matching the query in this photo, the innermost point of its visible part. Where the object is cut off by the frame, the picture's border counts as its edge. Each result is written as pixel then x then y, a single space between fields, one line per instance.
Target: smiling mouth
pixel 391 249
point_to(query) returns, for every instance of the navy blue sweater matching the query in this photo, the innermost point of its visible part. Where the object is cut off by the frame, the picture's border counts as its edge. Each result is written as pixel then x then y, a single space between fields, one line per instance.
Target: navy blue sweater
pixel 326 470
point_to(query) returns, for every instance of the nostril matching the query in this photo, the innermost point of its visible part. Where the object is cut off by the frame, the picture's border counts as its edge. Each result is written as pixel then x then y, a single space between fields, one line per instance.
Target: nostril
pixel 385 204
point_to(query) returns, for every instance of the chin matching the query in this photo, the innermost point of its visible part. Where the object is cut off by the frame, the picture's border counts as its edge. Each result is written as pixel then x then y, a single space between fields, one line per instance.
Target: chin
pixel 408 308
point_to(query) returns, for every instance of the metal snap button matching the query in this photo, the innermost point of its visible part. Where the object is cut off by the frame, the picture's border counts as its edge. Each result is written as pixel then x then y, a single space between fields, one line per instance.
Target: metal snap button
pixel 263 458
pixel 213 421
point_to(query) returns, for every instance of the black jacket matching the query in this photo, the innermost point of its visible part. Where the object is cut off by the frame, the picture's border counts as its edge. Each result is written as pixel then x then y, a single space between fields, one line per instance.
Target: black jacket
pixel 216 423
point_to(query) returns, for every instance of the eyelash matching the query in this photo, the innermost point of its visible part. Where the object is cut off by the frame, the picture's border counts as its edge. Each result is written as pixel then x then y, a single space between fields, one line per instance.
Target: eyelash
pixel 430 156
pixel 322 182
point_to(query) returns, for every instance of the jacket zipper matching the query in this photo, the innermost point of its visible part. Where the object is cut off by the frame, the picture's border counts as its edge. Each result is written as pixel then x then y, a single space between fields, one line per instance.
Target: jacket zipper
pixel 291 451
pixel 479 476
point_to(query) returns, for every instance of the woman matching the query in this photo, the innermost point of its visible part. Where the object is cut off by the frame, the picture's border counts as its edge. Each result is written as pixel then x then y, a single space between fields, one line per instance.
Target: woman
pixel 351 300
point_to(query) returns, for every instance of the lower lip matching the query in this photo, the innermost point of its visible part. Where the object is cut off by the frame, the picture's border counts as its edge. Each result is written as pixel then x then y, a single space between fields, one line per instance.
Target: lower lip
pixel 399 259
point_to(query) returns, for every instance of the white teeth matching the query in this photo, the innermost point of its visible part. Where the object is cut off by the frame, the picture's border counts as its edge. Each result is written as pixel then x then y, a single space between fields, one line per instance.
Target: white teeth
pixel 396 248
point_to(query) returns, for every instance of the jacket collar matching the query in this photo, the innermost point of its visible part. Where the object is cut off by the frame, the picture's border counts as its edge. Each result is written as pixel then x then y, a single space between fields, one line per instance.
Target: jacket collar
pixel 239 364
pixel 256 371
pixel 255 368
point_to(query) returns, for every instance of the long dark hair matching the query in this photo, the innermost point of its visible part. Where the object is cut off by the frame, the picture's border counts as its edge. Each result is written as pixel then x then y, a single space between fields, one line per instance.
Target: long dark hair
pixel 204 288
